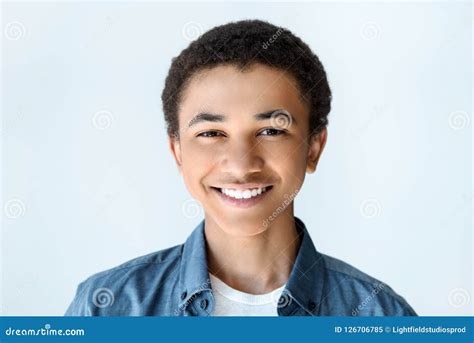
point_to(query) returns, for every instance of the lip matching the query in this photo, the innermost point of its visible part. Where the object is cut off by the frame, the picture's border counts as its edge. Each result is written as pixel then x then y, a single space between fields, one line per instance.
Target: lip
pixel 241 203
pixel 243 186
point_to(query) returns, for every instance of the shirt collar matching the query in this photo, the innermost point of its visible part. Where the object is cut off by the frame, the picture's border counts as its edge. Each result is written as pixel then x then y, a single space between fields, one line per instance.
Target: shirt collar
pixel 193 275
pixel 306 281
pixel 303 291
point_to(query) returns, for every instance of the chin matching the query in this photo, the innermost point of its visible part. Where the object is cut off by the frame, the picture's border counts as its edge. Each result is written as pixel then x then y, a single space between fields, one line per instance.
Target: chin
pixel 241 227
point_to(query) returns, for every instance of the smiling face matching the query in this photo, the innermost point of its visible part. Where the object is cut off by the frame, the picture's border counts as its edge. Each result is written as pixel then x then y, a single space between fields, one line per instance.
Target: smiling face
pixel 244 145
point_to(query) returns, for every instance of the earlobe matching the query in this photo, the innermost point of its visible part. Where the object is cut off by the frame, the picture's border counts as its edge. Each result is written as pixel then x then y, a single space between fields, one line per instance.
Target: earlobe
pixel 175 149
pixel 316 147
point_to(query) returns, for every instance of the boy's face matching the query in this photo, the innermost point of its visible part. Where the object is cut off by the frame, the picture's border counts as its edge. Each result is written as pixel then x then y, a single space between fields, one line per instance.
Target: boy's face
pixel 232 149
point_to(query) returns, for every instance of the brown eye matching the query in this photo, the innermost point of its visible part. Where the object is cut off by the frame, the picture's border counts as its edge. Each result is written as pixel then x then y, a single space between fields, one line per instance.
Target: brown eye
pixel 272 132
pixel 210 134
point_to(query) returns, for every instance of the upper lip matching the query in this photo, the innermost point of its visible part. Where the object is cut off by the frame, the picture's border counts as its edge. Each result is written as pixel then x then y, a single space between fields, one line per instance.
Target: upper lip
pixel 244 186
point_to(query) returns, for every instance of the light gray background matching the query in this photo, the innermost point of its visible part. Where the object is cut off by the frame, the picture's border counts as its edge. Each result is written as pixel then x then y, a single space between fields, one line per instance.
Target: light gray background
pixel 88 182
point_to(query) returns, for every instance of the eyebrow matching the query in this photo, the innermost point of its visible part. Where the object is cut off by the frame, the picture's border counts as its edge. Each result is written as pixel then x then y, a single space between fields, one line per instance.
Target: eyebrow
pixel 212 117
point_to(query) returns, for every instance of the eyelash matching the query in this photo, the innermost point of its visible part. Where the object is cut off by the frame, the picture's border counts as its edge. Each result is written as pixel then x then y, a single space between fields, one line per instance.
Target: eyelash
pixel 205 133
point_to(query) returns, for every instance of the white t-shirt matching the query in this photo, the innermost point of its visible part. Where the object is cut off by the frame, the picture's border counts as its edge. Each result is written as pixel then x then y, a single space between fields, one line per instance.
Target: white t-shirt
pixel 232 302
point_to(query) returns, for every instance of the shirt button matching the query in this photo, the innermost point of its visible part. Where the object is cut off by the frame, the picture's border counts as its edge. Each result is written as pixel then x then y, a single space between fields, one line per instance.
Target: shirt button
pixel 311 305
pixel 183 295
pixel 203 304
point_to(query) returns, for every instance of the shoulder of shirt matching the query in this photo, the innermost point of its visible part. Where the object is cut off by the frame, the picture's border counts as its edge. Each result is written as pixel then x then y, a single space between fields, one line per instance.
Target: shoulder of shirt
pixel 135 267
pixel 350 273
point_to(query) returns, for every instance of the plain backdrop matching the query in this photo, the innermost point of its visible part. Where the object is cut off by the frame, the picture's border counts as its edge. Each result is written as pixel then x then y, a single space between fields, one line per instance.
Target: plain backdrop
pixel 88 181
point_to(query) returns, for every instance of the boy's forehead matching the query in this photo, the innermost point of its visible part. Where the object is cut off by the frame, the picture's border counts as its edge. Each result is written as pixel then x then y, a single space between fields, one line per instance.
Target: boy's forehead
pixel 225 88
pixel 230 77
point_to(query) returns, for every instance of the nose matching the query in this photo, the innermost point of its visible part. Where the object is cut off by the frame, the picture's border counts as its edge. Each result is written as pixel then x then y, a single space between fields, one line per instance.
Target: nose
pixel 241 158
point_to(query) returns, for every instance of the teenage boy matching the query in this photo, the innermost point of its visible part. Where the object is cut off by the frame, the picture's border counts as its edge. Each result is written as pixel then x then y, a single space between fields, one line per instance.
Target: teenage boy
pixel 246 107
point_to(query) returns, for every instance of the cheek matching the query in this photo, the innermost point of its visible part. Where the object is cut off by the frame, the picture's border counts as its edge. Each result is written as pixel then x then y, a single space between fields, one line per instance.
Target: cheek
pixel 292 166
pixel 197 162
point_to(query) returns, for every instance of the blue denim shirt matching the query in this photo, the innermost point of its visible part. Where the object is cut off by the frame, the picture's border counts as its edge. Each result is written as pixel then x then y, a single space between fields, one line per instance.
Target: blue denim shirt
pixel 175 282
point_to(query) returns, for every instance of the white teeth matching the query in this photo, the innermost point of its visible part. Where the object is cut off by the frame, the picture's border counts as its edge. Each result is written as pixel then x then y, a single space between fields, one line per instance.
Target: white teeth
pixel 245 194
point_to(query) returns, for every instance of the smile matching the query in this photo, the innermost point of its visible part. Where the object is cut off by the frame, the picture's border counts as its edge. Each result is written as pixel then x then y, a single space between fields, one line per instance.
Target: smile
pixel 243 194
pixel 242 197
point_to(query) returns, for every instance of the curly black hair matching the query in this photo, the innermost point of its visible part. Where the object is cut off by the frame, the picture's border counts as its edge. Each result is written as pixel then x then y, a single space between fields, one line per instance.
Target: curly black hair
pixel 242 44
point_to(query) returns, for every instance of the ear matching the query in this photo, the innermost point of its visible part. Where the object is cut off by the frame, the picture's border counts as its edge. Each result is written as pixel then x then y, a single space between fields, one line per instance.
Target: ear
pixel 175 148
pixel 316 147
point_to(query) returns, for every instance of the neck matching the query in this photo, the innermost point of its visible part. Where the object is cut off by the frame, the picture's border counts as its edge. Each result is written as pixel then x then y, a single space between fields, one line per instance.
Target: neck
pixel 253 264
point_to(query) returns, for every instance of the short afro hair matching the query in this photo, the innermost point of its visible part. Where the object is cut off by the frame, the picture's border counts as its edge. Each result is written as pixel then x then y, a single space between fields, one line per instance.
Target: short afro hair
pixel 242 44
